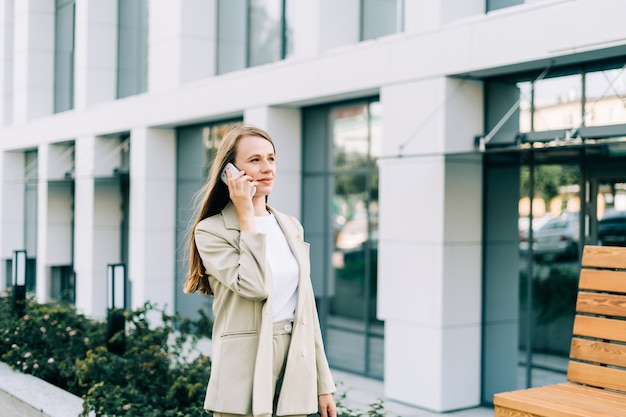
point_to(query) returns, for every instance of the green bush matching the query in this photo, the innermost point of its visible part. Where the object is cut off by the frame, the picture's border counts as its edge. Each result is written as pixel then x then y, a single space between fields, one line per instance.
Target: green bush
pixel 160 373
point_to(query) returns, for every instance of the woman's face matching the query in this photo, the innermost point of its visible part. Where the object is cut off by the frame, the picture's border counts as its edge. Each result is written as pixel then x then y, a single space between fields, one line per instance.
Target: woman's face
pixel 255 156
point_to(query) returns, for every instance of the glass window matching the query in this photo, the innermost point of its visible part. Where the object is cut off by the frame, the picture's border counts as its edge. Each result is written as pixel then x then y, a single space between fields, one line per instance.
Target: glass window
pixel 550 256
pixel 266 31
pixel 253 32
pixel 132 48
pixel 345 239
pixel 64 55
pixel 501 4
pixel 380 18
pixel 557 103
pixel 605 97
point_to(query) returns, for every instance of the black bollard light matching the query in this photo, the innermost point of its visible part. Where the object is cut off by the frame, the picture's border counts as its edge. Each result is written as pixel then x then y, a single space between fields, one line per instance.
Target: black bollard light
pixel 116 303
pixel 19 281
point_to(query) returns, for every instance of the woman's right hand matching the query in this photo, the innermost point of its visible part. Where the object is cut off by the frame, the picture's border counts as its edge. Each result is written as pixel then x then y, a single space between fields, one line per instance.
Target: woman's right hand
pixel 240 190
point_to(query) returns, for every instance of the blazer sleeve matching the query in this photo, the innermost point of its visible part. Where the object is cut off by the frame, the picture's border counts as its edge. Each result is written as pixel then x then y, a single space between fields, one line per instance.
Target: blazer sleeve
pixel 325 381
pixel 241 269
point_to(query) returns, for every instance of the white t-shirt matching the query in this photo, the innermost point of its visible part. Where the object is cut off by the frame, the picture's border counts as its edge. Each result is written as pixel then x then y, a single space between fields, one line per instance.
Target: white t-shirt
pixel 284 267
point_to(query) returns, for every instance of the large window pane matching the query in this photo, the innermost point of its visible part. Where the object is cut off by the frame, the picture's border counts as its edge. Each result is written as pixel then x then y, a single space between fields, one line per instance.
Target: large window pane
pixel 380 18
pixel 132 48
pixel 549 248
pixel 351 137
pixel 231 35
pixel 64 56
pixel 266 31
pixel 605 97
pixel 341 223
pixel 557 103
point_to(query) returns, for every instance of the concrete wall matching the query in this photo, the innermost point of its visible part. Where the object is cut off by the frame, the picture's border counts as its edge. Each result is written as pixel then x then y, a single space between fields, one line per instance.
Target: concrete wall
pixel 24 395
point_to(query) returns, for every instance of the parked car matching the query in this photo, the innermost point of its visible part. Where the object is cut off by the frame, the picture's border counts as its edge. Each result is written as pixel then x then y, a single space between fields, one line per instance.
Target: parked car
pixel 557 238
pixel 612 229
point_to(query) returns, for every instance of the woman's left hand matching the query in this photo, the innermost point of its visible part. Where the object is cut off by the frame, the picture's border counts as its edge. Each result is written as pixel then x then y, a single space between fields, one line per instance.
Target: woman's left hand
pixel 327 405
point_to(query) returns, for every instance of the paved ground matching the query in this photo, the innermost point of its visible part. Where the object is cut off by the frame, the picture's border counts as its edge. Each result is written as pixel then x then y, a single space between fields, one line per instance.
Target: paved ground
pixel 362 391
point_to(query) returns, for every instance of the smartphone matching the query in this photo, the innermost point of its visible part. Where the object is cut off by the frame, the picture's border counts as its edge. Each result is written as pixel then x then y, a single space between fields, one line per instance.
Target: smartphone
pixel 233 170
pixel 229 167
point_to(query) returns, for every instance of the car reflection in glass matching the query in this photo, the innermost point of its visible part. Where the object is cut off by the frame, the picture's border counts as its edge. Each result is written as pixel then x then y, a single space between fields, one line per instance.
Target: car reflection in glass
pixel 612 229
pixel 557 239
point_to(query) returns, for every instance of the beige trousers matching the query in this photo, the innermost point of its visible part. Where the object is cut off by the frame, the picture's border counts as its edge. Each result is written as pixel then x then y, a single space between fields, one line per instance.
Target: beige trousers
pixel 281 340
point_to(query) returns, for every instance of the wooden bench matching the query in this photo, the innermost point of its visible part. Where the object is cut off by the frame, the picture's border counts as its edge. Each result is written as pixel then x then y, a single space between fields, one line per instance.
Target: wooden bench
pixel 597 368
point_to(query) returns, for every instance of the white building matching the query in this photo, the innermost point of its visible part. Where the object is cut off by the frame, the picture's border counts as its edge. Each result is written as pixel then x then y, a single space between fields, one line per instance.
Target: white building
pixel 110 111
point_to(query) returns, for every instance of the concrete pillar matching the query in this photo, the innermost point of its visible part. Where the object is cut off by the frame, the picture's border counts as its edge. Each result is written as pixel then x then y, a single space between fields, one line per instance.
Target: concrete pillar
pixel 285 128
pixel 342 17
pixel 11 208
pixel 55 213
pixel 95 53
pixel 33 60
pixel 182 41
pixel 6 63
pixel 430 244
pixel 98 215
pixel 152 227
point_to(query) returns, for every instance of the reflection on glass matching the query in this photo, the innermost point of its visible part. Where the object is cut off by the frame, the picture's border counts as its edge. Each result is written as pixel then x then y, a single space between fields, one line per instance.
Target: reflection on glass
pixel 381 17
pixel 351 137
pixel 266 31
pixel 557 103
pixel 611 213
pixel 550 256
pixel 605 97
pixel 355 336
pixel 211 138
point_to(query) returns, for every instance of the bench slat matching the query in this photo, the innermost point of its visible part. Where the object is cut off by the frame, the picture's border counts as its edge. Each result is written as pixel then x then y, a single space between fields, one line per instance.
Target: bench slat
pixel 602 280
pixel 554 402
pixel 603 304
pixel 604 257
pixel 596 351
pixel 597 376
pixel 616 398
pixel 600 327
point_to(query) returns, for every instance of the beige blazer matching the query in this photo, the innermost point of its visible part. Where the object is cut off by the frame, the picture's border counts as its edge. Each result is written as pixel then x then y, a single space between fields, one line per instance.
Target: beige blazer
pixel 241 369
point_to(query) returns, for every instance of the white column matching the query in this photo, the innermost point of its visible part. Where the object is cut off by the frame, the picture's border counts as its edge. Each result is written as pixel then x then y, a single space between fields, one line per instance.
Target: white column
pixel 6 62
pixel 152 227
pixel 95 52
pixel 33 60
pixel 285 128
pixel 338 23
pixel 97 235
pixel 54 216
pixel 430 244
pixel 182 40
pixel 11 207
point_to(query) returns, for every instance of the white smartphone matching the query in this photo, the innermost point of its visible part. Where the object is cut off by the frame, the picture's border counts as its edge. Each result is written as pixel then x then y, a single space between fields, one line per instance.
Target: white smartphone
pixel 229 167
pixel 233 170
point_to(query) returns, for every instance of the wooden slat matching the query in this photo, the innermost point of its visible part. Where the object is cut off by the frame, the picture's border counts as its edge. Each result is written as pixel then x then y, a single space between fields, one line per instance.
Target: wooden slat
pixel 507 412
pixel 591 402
pixel 616 398
pixel 597 376
pixel 604 257
pixel 600 327
pixel 600 303
pixel 547 401
pixel 602 280
pixel 596 351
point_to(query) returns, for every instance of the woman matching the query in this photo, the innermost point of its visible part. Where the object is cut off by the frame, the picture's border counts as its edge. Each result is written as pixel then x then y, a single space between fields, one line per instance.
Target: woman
pixel 268 356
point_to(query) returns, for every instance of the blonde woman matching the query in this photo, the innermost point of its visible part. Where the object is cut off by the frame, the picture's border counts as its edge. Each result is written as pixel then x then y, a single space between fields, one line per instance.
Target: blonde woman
pixel 268 356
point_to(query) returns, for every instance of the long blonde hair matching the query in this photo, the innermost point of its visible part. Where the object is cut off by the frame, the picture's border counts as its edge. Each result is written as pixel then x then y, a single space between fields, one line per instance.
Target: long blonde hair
pixel 214 197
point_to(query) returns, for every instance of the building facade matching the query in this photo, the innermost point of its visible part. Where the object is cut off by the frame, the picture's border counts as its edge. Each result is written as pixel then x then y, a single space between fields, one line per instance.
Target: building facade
pixel 448 160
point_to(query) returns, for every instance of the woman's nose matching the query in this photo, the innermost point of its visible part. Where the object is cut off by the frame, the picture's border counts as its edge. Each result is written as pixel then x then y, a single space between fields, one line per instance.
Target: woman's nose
pixel 267 166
